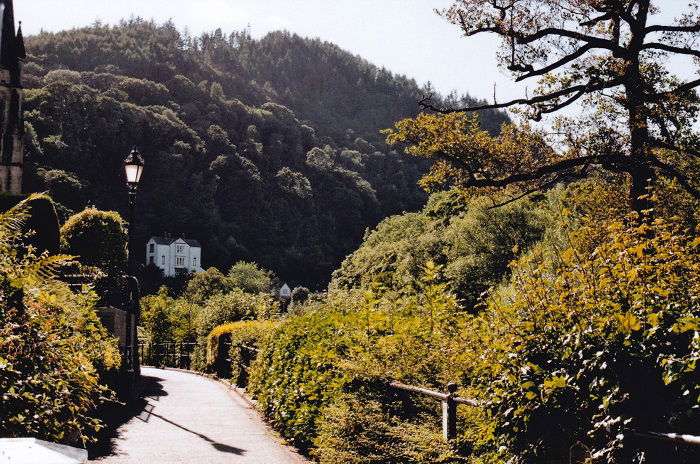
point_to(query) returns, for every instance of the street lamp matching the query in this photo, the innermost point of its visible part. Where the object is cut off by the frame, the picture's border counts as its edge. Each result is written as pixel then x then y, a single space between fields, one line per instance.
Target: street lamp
pixel 133 167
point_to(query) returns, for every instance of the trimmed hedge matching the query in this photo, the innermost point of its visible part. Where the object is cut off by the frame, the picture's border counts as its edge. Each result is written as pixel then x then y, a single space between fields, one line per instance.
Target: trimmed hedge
pixel 297 373
pixel 248 333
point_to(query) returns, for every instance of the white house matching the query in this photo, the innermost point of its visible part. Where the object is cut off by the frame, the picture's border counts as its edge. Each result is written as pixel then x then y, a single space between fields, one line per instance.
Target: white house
pixel 174 256
pixel 285 291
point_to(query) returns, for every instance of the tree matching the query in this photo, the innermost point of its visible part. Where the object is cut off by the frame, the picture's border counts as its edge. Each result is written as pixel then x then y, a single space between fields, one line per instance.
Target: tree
pixel 98 238
pixel 300 295
pixel 607 56
pixel 206 284
pixel 250 278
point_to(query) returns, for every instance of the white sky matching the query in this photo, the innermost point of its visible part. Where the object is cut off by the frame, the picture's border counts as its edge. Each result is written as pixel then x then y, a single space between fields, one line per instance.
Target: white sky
pixel 405 36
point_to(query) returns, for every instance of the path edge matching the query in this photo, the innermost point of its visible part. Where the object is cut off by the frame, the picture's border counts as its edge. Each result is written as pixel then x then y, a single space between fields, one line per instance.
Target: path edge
pixel 250 401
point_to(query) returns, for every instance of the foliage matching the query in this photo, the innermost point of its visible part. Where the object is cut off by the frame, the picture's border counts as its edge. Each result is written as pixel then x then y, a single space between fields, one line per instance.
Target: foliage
pixel 296 373
pixel 299 295
pixel 251 334
pixel 204 285
pixel 41 228
pixel 635 117
pixel 228 126
pixel 64 187
pixel 473 242
pixel 250 278
pixel 326 361
pixel 365 430
pixel 597 337
pixel 157 317
pixel 595 331
pixel 53 348
pixel 97 238
pixel 234 306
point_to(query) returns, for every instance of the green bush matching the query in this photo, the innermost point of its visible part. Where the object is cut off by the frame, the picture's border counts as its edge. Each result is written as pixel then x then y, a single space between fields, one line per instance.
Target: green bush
pixel 53 349
pixel 233 306
pixel 300 295
pixel 97 238
pixel 250 278
pixel 473 242
pixel 360 429
pixel 596 337
pixel 42 221
pixel 248 333
pixel 297 373
pixel 207 284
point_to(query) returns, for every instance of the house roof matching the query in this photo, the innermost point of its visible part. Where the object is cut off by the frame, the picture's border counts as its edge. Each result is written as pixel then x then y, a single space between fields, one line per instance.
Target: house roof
pixel 171 240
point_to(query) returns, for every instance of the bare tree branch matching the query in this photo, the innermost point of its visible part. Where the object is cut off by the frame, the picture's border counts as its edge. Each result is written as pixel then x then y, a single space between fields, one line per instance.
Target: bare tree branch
pixel 538 72
pixel 585 88
pixel 671 48
pixel 595 42
pixel 658 28
pixel 667 146
pixel 527 192
pixel 558 167
pixel 678 90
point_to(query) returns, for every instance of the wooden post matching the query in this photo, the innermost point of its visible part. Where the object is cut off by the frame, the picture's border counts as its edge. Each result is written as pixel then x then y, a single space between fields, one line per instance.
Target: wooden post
pixel 449 414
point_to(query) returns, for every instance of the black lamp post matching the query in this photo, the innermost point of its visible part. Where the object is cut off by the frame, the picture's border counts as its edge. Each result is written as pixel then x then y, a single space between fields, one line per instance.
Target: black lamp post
pixel 133 167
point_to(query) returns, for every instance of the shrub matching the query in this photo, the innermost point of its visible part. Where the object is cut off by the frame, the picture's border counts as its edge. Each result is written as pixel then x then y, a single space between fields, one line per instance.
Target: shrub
pixel 207 284
pixel 52 345
pixel 473 242
pixel 98 238
pixel 237 359
pixel 596 338
pixel 233 306
pixel 299 295
pixel 250 278
pixel 360 429
pixel 297 372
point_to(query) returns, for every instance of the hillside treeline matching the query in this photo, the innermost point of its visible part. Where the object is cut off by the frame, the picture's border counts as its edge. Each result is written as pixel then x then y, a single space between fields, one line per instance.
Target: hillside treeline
pixel 267 150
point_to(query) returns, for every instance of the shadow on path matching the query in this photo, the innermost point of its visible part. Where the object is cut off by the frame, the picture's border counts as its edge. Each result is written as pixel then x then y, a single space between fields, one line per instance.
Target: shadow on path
pixel 219 446
pixel 114 415
pixel 148 389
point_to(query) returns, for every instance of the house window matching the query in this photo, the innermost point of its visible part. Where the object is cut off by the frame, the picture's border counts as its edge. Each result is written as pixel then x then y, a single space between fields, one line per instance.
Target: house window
pixel 180 261
pixel 179 248
pixel 163 260
pixel 194 262
pixel 153 261
pixel 152 247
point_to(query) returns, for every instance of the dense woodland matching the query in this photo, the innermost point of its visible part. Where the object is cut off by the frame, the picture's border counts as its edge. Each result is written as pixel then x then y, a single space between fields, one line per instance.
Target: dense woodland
pixel 267 150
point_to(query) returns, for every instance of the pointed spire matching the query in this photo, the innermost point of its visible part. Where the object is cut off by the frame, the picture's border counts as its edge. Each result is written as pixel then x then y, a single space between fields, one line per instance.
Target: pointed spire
pixel 12 45
pixel 21 51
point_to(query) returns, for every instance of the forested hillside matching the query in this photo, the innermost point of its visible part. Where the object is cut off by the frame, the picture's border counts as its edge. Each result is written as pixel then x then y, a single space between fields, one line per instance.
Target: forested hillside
pixel 267 150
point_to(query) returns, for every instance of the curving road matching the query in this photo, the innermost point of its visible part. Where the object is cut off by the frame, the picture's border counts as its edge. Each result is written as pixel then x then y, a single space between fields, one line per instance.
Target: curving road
pixel 192 419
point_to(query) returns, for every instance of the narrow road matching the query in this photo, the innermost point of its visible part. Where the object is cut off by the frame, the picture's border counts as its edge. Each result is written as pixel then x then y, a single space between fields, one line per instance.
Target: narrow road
pixel 192 419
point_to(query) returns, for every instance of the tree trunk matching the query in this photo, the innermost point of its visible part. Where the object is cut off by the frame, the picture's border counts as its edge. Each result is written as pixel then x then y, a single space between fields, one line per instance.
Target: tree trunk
pixel 640 170
pixel 642 179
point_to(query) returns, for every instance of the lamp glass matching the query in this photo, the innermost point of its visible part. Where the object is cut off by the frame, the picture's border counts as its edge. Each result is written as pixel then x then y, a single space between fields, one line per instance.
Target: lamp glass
pixel 133 173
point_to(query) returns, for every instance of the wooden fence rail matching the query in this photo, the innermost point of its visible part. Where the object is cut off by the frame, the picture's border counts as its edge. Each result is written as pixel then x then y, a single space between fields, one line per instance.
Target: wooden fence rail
pixel 449 405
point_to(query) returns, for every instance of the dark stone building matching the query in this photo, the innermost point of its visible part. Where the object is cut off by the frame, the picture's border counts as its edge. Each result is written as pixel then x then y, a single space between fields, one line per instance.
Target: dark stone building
pixel 12 53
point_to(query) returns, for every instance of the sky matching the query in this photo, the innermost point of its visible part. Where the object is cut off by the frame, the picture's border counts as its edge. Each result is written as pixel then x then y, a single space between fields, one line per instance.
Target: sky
pixel 405 36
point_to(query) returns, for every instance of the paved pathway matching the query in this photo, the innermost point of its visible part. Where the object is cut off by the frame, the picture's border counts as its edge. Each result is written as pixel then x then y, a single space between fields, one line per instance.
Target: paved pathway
pixel 192 419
